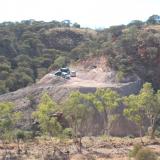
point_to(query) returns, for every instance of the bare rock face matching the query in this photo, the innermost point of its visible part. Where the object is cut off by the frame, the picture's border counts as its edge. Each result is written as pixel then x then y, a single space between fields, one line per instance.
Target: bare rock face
pixel 60 91
pixel 88 79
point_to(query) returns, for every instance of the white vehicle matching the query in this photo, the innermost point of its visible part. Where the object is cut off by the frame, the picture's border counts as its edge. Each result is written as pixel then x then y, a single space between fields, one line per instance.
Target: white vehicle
pixel 73 73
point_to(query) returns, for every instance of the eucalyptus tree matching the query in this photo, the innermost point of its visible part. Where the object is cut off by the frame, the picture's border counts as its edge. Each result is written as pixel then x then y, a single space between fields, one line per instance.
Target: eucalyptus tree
pixel 8 121
pixel 150 100
pixel 144 105
pixel 45 115
pixel 76 112
pixel 135 111
pixel 106 101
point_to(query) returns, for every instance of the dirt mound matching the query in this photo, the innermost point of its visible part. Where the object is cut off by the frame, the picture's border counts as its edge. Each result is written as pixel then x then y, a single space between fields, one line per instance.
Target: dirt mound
pixel 92 72
pixel 95 62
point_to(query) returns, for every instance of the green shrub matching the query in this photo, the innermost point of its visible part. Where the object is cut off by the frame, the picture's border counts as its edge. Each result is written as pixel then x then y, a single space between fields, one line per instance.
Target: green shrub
pixel 20 135
pixel 120 76
pixel 141 153
pixel 68 132
pixel 30 135
pixel 135 150
pixel 60 61
pixel 131 136
pixel 23 135
pixel 145 154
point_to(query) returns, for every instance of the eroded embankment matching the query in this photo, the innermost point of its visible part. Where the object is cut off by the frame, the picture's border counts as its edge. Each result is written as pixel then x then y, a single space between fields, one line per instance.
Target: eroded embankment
pixel 89 78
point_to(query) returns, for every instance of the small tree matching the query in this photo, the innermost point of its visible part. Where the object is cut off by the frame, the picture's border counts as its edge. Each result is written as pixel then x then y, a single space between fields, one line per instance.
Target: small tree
pixel 60 61
pixel 75 111
pixel 135 111
pixel 137 23
pixel 151 104
pixel 20 135
pixel 106 101
pixel 8 121
pixel 44 114
pixel 76 25
pixel 154 19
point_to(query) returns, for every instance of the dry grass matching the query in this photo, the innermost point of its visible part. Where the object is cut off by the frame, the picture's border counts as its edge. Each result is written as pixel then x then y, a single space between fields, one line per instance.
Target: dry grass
pixel 82 31
pixel 156 27
pixel 94 148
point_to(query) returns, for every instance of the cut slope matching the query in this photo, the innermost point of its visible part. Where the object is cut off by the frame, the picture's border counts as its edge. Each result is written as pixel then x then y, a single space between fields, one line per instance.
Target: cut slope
pixel 92 74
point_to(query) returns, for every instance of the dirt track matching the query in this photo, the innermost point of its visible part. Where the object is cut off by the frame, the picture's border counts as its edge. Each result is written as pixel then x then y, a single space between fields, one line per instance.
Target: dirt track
pixel 77 82
pixel 85 78
pixel 89 73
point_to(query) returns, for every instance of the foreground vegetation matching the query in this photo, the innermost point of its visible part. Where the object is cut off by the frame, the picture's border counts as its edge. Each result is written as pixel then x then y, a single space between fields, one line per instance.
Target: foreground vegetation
pixel 94 148
pixel 47 118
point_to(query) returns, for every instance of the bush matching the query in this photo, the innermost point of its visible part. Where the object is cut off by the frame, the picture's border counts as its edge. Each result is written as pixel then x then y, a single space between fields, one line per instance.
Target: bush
pixel 3 88
pixel 140 153
pixel 131 136
pixel 60 61
pixel 145 154
pixel 20 135
pixel 23 135
pixel 120 76
pixel 68 132
pixel 135 150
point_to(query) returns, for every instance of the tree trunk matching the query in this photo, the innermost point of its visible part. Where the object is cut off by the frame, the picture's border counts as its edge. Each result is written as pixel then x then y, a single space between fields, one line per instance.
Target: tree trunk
pixel 18 147
pixel 140 134
pixel 80 144
pixel 152 135
pixel 153 128
pixel 75 129
pixel 108 134
pixel 108 131
pixel 105 122
pixel 109 122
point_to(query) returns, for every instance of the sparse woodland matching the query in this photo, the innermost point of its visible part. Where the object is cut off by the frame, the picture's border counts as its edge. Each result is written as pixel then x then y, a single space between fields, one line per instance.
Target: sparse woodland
pixel 30 49
pixel 47 117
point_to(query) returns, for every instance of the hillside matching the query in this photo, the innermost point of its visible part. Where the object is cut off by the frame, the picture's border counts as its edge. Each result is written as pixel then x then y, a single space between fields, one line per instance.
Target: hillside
pixel 120 57
pixel 88 80
pixel 43 116
pixel 30 49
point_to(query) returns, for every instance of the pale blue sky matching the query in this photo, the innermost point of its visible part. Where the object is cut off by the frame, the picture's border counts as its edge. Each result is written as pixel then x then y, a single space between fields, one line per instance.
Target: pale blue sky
pixel 89 13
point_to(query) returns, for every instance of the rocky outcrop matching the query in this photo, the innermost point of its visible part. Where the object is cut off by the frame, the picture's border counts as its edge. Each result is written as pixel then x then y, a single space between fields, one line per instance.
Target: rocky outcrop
pixel 26 100
pixel 92 73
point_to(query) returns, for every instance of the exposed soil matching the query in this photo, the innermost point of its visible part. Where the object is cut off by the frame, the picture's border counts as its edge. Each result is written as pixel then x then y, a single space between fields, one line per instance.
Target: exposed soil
pixel 90 78
pixel 92 72
pixel 89 73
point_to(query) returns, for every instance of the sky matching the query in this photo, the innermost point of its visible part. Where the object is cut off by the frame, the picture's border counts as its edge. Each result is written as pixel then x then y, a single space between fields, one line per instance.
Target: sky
pixel 89 13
